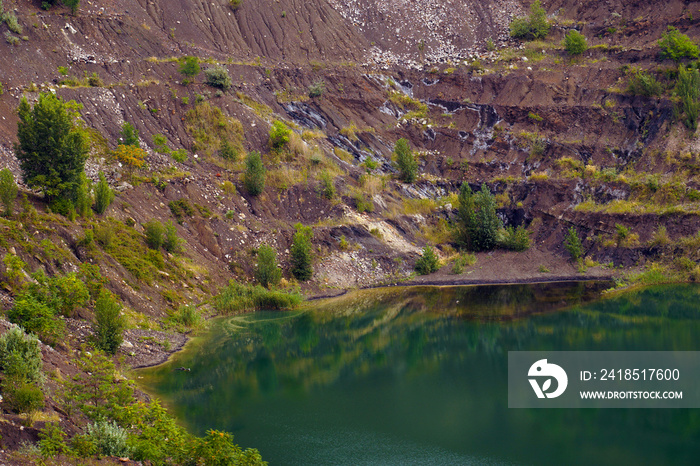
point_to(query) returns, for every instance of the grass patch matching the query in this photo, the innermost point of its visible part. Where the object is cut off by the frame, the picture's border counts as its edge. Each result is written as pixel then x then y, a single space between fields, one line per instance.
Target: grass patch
pixel 237 297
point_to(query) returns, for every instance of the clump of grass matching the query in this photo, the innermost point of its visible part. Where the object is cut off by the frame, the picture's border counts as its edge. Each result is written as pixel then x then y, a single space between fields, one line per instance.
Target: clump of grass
pixel 238 297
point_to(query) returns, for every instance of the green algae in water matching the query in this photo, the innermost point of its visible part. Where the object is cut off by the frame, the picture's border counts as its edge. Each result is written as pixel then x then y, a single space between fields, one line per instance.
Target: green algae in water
pixel 419 376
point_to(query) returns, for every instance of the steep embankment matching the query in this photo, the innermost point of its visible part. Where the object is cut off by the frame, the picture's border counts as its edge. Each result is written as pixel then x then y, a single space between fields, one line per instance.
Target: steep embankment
pixel 560 140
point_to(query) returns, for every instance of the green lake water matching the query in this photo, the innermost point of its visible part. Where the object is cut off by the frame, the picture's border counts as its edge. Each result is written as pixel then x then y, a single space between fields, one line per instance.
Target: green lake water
pixel 419 376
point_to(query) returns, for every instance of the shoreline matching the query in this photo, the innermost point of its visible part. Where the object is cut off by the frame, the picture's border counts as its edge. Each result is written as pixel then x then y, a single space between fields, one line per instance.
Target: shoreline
pixel 163 357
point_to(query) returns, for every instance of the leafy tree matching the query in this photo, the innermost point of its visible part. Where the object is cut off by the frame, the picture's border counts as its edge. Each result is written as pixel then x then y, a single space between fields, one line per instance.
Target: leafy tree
pixel 326 185
pixel 515 239
pixel 676 46
pixel 109 324
pixel 217 76
pixel 20 356
pixel 8 190
pixel 52 149
pixel 405 161
pixel 103 195
pixel 531 27
pixel 573 244
pixel 300 251
pixel 428 262
pixel 130 135
pixel 36 317
pixel 267 272
pixel 254 176
pixel 189 66
pixel 279 135
pixel 478 223
pixel 575 43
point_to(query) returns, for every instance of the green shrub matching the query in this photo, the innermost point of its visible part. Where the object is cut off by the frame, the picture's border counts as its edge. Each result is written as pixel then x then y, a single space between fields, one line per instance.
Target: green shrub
pixel 20 356
pixel 405 161
pixel 688 91
pixel 67 293
pixel 217 449
pixel 103 195
pixel 217 76
pixel 644 83
pixel 189 66
pixel 171 242
pixel 428 262
pixel 267 272
pixel 109 324
pixel 515 239
pixel 37 317
pixel 83 196
pixel 575 43
pixel 187 315
pixel 228 151
pixel 179 155
pixel 254 176
pixel 23 397
pixel 8 190
pixel 154 234
pixel 238 297
pixel 109 438
pixel 317 89
pixel 326 186
pixel 363 202
pixel 301 258
pixel 676 46
pixel 52 440
pixel 129 135
pixel 621 234
pixel 573 244
pixel 531 27
pixel 279 135
pixel 12 23
pixel 181 209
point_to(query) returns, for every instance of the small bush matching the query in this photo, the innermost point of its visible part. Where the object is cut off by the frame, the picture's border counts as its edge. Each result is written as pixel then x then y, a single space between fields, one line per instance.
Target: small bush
pixel 171 242
pixel 154 234
pixel 36 317
pixel 428 262
pixel 12 23
pixel 228 151
pixel 267 272
pixel 301 258
pixel 677 46
pixel 405 161
pixel 317 89
pixel 23 397
pixel 326 186
pixel 531 27
pixel 109 324
pixel 573 244
pixel 8 190
pixel 218 76
pixel 254 176
pixel 179 155
pixel 109 438
pixel 279 135
pixel 189 66
pixel 645 84
pixel 129 135
pixel 515 239
pixel 20 356
pixel 103 195
pixel 575 43
pixel 52 440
